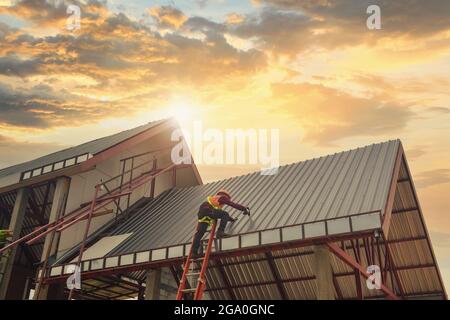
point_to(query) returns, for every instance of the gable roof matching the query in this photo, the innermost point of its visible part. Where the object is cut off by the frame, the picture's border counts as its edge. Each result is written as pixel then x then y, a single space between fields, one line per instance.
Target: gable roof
pixel 329 187
pixel 270 254
pixel 83 151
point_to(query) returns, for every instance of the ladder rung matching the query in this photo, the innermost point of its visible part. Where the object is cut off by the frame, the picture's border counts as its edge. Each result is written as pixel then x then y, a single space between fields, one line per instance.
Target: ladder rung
pixel 188 290
pixel 198 259
pixel 193 274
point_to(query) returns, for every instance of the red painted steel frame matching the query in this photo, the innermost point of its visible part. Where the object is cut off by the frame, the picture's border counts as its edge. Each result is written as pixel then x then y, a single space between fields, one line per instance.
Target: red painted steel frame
pixel 79 214
pixel 341 254
pixel 86 232
pixel 392 189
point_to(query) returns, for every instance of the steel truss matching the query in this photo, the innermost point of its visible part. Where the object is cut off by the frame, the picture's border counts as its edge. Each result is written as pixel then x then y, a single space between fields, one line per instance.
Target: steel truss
pixel 372 250
pixel 111 195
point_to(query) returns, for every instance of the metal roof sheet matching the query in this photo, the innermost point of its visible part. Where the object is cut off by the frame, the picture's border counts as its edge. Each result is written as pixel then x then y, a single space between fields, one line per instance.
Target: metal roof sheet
pixel 170 219
pixel 92 147
pixel 337 185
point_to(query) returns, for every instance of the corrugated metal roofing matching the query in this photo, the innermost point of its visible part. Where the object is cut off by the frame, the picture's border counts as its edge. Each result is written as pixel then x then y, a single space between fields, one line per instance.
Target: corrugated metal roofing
pixel 93 147
pixel 328 187
pixel 361 177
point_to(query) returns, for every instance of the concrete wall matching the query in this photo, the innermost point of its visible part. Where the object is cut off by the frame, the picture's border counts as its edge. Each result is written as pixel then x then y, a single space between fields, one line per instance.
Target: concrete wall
pixel 82 186
pixel 168 288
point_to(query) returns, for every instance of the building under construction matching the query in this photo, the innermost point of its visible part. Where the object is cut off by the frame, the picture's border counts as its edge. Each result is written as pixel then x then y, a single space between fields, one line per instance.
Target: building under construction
pixel 118 208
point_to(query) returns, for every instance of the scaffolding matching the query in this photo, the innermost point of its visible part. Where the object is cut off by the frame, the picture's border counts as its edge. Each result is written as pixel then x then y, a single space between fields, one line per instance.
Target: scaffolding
pixel 105 193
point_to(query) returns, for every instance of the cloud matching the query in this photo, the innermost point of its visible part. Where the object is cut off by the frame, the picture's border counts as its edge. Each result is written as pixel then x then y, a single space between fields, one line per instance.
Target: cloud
pixel 235 18
pixel 39 11
pixel 291 27
pixel 113 66
pixel 42 107
pixel 433 177
pixel 20 151
pixel 204 25
pixel 168 16
pixel 53 13
pixel 441 110
pixel 277 31
pixel 14 66
pixel 407 17
pixel 328 115
pixel 118 52
pixel 416 152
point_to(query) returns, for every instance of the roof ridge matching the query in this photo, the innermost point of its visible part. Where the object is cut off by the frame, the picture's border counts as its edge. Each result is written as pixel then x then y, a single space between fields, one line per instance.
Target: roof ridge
pixel 84 143
pixel 306 160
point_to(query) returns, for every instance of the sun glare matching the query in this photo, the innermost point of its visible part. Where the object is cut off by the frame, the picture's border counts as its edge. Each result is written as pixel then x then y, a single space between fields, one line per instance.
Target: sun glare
pixel 182 110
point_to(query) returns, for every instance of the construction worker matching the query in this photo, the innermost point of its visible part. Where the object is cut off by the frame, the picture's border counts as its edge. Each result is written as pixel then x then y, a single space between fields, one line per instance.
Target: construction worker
pixel 4 234
pixel 211 210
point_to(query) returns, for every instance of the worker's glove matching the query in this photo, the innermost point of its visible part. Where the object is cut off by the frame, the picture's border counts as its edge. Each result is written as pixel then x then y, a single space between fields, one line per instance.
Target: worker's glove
pixel 247 211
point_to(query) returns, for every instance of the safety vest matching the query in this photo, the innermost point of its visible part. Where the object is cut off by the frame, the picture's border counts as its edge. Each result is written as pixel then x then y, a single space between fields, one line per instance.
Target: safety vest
pixel 212 201
pixel 3 235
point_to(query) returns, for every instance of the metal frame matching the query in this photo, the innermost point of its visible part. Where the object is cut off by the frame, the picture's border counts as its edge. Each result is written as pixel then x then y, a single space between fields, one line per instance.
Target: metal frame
pixel 419 210
pixel 392 190
pixel 184 248
pixel 87 213
pixel 358 242
pixel 218 256
pixel 81 213
pixel 38 205
pixel 352 263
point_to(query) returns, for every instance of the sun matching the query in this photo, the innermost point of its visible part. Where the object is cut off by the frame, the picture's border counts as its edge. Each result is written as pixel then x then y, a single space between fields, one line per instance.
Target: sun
pixel 183 111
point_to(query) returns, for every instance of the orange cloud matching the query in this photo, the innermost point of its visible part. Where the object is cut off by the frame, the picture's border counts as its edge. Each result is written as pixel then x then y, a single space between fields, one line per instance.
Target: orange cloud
pixel 167 16
pixel 329 115
pixel 234 18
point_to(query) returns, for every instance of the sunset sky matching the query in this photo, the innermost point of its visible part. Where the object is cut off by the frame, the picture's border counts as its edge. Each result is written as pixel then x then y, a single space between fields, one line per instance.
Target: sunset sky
pixel 311 69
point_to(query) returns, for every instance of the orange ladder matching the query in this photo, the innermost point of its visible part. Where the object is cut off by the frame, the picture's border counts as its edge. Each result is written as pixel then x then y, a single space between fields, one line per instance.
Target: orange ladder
pixel 191 273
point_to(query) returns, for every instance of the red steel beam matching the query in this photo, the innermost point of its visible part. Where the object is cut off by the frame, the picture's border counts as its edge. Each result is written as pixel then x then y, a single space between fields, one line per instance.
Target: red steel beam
pixel 86 232
pixel 66 222
pixel 393 186
pixel 357 254
pixel 153 182
pixel 352 263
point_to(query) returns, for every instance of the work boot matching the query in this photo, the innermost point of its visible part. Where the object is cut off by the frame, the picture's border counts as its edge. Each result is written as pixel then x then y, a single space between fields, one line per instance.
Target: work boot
pixel 222 234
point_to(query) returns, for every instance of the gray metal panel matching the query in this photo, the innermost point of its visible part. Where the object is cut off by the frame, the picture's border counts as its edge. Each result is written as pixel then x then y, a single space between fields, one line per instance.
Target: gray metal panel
pixel 93 147
pixel 337 185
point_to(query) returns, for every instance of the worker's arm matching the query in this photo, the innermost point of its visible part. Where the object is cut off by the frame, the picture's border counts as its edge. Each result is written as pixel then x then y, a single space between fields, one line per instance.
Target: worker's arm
pixel 227 201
